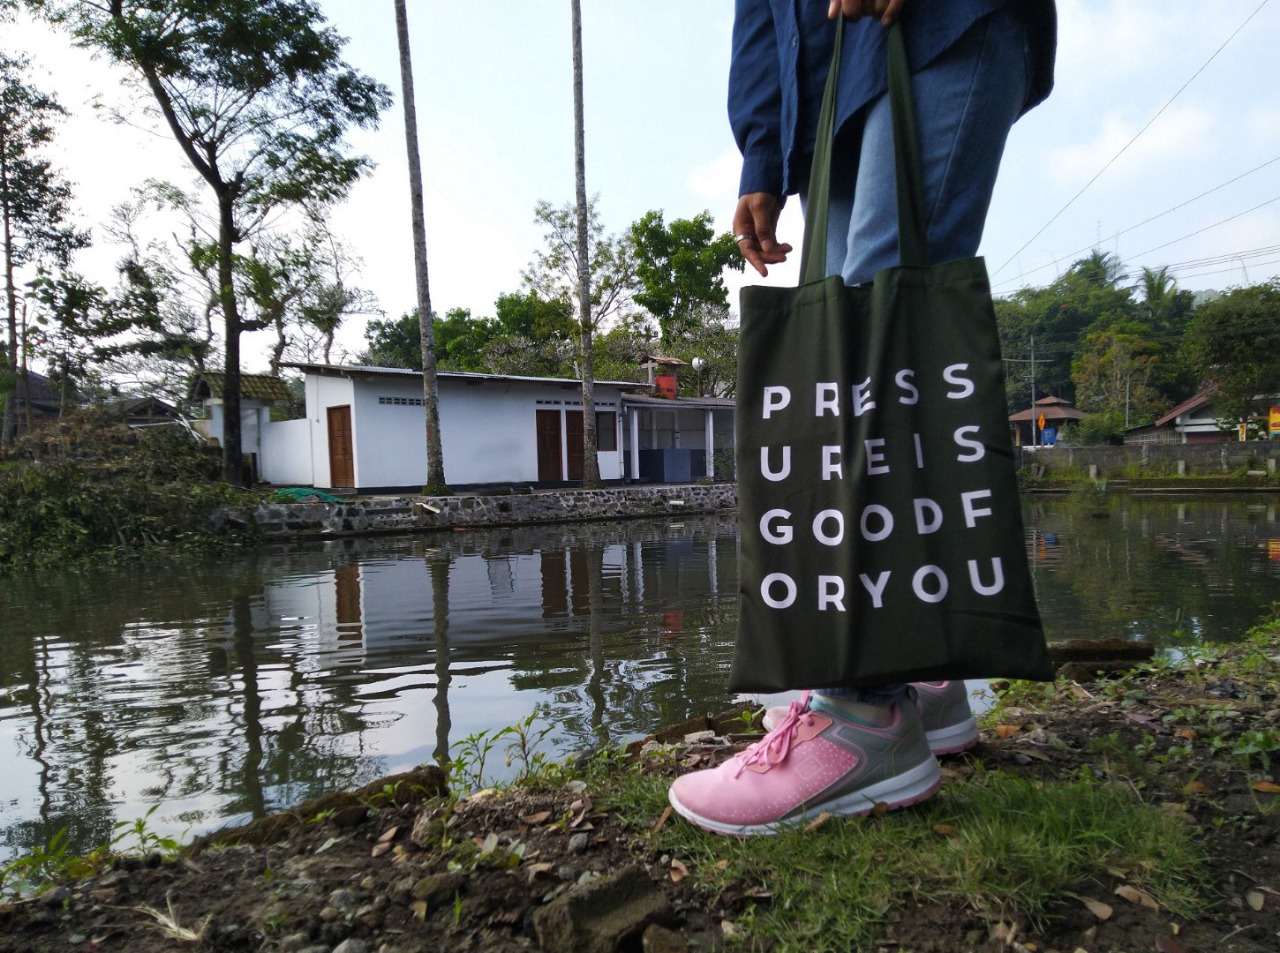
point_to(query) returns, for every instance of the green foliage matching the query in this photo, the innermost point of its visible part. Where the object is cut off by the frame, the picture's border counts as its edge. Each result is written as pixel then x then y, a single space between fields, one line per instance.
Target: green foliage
pixel 99 489
pixel 553 275
pixel 1113 370
pixel 1234 339
pixel 1105 427
pixel 395 343
pixel 1094 344
pixel 460 340
pixel 34 206
pixel 33 873
pixel 680 267
pixel 527 314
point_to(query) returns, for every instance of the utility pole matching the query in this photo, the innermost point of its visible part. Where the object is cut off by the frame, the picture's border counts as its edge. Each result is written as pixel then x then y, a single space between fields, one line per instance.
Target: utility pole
pixel 1035 429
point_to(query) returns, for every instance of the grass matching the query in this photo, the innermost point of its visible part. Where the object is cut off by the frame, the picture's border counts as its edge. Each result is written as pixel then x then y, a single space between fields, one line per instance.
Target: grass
pixel 997 843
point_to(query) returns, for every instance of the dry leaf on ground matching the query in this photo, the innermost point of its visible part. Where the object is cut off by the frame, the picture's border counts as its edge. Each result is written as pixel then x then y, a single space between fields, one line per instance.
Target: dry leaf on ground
pixel 1134 895
pixel 1102 911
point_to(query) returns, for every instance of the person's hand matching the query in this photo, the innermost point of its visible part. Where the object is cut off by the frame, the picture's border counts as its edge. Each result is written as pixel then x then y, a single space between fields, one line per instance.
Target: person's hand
pixel 886 11
pixel 755 222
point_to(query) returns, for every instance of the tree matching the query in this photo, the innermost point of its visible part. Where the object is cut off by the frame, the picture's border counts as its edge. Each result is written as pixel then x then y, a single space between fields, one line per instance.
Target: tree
pixel 534 317
pixel 555 273
pixel 34 207
pixel 395 343
pixel 1167 310
pixel 1087 297
pixel 259 100
pixel 1113 374
pixel 426 332
pixel 1235 339
pixel 713 340
pixel 680 268
pixel 461 341
pixel 590 463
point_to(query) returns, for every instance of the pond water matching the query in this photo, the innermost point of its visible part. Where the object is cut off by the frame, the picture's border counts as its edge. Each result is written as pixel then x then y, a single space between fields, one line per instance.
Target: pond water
pixel 222 691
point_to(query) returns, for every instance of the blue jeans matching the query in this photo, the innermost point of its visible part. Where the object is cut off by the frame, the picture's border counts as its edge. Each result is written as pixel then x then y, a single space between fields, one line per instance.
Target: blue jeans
pixel 966 102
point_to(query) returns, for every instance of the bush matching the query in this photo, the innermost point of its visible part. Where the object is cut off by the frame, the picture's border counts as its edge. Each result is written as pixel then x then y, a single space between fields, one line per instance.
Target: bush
pixel 93 488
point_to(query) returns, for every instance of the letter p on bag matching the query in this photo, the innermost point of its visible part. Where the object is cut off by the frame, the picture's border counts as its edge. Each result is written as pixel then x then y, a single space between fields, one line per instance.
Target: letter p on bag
pixel 775 398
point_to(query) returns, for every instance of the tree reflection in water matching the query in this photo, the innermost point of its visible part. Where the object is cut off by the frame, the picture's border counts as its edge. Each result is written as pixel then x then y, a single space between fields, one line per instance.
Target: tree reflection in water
pixel 221 691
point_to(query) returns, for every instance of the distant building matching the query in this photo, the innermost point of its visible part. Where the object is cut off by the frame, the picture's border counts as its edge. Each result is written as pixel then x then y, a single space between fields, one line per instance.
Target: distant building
pixel 36 400
pixel 1047 414
pixel 1195 420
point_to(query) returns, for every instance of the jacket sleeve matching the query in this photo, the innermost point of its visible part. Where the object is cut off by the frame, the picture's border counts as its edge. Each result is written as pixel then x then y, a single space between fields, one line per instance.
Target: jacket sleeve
pixel 755 97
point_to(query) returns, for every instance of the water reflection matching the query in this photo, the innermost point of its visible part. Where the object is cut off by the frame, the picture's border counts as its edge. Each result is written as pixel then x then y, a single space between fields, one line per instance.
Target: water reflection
pixel 224 691
pixel 1170 570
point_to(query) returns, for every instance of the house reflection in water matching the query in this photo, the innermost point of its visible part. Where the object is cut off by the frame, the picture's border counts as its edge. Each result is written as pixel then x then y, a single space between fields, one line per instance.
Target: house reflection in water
pixel 539 603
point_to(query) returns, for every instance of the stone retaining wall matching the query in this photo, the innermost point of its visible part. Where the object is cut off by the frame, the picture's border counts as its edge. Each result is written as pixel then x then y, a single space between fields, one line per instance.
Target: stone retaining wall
pixel 362 516
pixel 1194 459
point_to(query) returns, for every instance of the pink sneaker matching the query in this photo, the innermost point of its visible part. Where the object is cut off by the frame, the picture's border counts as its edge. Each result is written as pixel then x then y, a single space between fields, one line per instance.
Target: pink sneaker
pixel 944 710
pixel 814 760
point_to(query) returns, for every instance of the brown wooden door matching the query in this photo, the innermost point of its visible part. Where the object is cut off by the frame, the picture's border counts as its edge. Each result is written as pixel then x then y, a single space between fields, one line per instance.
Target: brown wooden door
pixel 342 467
pixel 549 465
pixel 573 443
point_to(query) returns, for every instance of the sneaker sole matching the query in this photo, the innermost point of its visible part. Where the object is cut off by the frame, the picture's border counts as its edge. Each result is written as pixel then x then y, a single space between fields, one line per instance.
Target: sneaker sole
pixel 910 787
pixel 952 739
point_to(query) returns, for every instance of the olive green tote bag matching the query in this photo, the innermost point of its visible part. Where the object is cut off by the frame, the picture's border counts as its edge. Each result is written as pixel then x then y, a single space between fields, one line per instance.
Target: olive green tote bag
pixel 881 539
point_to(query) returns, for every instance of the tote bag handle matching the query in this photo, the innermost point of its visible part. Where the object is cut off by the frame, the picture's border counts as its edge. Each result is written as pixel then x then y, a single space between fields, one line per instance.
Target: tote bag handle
pixel 913 243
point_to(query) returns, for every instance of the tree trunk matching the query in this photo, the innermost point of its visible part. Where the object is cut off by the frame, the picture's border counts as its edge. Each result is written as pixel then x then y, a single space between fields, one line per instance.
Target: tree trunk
pixel 10 425
pixel 590 462
pixel 426 323
pixel 233 470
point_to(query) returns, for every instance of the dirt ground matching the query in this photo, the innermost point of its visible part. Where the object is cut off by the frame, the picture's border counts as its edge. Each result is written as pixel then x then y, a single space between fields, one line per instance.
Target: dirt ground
pixel 360 873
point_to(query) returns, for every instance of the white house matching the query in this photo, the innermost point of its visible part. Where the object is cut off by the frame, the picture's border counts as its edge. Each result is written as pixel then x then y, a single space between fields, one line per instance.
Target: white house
pixel 365 430
pixel 1195 420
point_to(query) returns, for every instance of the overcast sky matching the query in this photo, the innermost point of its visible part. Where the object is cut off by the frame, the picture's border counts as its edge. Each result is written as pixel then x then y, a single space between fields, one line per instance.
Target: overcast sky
pixel 1196 83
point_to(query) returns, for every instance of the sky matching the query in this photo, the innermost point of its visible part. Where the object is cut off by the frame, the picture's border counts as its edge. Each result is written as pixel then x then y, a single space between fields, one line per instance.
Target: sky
pixel 1160 143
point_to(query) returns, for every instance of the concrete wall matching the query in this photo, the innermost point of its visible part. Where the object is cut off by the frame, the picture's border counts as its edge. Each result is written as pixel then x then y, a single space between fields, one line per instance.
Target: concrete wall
pixel 391 438
pixel 286 457
pixel 1208 459
pixel 322 393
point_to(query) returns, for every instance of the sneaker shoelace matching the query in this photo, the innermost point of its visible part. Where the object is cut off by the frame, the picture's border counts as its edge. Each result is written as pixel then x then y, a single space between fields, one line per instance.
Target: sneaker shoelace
pixel 773 748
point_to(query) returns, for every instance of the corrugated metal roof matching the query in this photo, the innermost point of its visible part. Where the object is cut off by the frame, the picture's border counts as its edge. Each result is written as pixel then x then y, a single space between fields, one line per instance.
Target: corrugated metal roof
pixel 363 370
pixel 1194 402
pixel 676 403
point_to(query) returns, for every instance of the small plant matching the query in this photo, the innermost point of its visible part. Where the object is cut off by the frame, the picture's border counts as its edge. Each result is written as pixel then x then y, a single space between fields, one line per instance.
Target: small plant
pixel 1260 743
pixel 466 766
pixel 524 749
pixel 147 840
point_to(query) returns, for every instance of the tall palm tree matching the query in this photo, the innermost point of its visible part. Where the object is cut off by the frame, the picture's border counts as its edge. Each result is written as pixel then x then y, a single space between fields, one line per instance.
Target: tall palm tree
pixel 1159 292
pixel 590 464
pixel 426 323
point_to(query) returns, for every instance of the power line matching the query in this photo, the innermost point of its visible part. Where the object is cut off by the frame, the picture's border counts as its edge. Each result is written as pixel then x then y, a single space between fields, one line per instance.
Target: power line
pixel 1198 231
pixel 1148 221
pixel 1125 147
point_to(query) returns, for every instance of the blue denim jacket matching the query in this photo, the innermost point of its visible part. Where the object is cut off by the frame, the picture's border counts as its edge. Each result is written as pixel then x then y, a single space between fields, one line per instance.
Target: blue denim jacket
pixel 781 53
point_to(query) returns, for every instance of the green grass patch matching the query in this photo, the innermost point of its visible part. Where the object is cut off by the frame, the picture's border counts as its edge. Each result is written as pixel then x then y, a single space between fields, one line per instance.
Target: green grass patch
pixel 999 843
